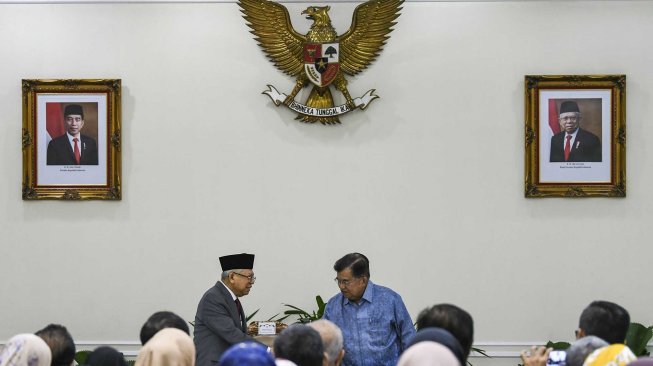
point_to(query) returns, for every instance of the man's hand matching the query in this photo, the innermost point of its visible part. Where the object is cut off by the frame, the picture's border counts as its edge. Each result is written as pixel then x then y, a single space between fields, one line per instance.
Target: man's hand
pixel 537 357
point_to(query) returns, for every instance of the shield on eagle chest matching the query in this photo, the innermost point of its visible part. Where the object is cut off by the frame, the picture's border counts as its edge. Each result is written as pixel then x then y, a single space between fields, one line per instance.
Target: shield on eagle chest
pixel 321 62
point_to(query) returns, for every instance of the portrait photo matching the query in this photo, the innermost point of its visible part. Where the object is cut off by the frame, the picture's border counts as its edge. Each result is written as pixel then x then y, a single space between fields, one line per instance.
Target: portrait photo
pixel 73 147
pixel 71 133
pixel 575 135
pixel 571 140
pixel 71 139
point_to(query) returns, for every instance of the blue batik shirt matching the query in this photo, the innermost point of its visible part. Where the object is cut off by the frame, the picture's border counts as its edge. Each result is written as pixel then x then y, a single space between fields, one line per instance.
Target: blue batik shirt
pixel 375 330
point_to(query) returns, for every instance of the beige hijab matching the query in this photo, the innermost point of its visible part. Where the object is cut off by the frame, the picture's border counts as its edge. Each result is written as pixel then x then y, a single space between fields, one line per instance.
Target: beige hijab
pixel 25 350
pixel 168 347
pixel 428 353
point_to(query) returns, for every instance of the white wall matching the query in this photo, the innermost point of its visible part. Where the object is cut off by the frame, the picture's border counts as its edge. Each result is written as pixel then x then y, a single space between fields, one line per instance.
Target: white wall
pixel 427 182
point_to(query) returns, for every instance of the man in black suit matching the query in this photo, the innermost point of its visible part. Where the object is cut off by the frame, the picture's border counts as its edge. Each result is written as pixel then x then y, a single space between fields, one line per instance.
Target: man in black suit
pixel 73 148
pixel 574 144
pixel 220 320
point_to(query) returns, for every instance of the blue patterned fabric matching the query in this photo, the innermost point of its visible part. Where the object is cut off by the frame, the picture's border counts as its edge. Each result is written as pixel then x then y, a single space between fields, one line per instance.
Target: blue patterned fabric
pixel 375 330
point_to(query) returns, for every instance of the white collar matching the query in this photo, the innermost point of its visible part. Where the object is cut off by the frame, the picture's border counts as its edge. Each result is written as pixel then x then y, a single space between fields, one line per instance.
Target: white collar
pixel 233 296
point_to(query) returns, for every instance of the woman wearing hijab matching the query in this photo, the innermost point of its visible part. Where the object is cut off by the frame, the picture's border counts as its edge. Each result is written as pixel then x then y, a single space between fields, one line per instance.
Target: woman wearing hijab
pixel 25 350
pixel 168 347
pixel 105 356
pixel 428 353
pixel 441 336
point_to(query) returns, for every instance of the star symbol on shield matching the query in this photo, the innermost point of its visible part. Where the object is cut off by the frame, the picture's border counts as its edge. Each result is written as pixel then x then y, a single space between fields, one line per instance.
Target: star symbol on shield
pixel 321 65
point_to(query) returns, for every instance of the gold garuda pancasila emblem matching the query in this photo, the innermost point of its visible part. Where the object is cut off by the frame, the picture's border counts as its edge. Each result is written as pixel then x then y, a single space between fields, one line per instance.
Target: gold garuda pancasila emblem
pixel 321 57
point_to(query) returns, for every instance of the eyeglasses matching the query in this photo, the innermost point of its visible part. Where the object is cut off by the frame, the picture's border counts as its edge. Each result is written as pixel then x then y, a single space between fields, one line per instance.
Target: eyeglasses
pixel 250 278
pixel 345 283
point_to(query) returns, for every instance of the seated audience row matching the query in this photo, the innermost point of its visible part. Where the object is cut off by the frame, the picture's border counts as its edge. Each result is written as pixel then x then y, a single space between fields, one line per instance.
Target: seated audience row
pixel 165 336
pixel 444 337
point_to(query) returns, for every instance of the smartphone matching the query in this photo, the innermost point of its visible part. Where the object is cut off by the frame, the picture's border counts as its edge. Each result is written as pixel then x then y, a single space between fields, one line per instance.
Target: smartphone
pixel 557 358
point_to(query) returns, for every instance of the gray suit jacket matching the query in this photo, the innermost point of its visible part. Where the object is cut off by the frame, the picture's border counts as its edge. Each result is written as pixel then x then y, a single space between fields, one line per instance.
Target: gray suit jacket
pixel 217 325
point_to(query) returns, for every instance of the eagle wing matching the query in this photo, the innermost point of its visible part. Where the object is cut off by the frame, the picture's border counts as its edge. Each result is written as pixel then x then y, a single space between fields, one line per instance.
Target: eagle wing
pixel 361 44
pixel 270 23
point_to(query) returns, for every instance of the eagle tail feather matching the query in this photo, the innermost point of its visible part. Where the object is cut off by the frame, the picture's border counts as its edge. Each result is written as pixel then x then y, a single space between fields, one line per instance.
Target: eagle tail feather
pixel 319 98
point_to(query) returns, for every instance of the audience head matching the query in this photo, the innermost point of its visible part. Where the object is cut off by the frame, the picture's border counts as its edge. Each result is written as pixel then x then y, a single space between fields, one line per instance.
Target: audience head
pixel 579 350
pixel 613 355
pixel 300 344
pixel 428 354
pixel 605 320
pixel 441 336
pixel 25 350
pixel 332 340
pixel 168 347
pixel 247 354
pixel 60 342
pixel 451 318
pixel 105 356
pixel 161 320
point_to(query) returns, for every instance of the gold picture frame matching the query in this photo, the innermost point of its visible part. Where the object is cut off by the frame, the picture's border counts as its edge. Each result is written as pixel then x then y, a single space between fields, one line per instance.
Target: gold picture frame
pixel 71 139
pixel 575 135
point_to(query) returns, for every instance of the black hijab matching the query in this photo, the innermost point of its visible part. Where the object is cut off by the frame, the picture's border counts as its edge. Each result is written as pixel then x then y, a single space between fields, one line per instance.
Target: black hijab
pixel 105 356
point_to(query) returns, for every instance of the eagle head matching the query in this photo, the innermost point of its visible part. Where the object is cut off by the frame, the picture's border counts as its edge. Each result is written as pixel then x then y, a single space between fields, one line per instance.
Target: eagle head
pixel 319 15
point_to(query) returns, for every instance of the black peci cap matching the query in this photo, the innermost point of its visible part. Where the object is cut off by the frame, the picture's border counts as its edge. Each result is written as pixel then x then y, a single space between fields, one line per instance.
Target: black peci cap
pixel 237 261
pixel 569 106
pixel 73 109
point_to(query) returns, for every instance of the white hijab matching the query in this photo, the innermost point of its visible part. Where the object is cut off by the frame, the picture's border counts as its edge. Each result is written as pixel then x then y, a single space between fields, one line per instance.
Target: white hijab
pixel 428 354
pixel 25 350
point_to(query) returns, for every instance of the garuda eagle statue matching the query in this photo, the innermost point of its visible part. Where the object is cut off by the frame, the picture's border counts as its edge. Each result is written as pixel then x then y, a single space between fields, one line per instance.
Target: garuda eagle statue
pixel 321 57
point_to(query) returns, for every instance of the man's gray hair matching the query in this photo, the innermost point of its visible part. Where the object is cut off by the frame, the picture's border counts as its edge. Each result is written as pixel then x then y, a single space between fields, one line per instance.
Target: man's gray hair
pixel 579 350
pixel 331 337
pixel 225 274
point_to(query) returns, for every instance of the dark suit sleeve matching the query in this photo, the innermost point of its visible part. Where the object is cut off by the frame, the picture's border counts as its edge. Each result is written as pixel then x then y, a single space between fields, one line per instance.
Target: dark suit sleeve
pixel 215 316
pixel 52 154
pixel 596 151
pixel 89 154
pixel 557 153
pixel 589 149
pixel 93 160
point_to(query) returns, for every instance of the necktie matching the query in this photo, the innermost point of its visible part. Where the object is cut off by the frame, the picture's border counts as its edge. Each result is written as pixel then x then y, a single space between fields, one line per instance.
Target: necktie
pixel 567 147
pixel 240 311
pixel 77 155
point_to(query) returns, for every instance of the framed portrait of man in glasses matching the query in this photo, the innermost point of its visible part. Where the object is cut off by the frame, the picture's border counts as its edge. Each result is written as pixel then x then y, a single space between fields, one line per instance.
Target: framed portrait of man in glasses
pixel 71 139
pixel 575 136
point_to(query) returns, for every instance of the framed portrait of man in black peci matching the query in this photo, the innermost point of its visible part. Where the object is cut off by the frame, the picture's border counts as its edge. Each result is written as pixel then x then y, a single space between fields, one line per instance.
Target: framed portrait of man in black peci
pixel 575 132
